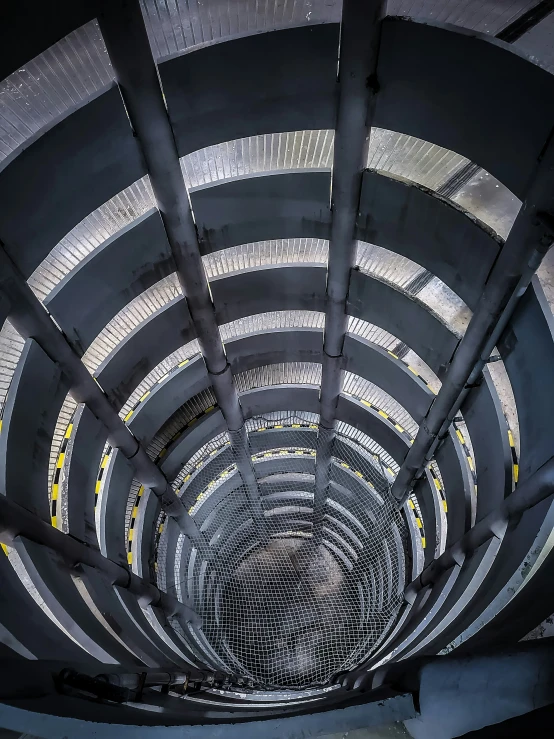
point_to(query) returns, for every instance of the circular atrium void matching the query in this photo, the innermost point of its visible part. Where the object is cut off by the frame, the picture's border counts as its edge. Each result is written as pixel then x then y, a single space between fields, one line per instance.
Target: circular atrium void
pixel 281 603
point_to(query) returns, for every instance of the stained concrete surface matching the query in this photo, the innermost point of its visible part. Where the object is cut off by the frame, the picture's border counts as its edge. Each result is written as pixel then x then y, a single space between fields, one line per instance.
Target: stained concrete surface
pixel 391 731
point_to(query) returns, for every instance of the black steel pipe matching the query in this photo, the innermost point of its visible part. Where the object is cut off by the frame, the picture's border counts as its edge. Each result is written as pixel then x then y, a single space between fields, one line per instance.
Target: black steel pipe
pixel 17 521
pixel 32 321
pixel 126 39
pixel 357 85
pixel 529 240
pixel 531 492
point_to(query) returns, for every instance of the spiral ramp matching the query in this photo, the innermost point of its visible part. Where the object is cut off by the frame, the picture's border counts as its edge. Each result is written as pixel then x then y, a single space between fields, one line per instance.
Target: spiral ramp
pixel 276 352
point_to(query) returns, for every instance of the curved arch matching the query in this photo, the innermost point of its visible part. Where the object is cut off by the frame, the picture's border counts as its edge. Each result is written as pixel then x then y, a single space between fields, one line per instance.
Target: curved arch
pixel 121 164
pixel 394 214
pixel 429 100
pixel 294 287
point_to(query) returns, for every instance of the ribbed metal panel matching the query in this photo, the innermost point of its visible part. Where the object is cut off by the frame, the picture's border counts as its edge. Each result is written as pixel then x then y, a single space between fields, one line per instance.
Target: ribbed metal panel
pixel 376 261
pixel 261 253
pixel 398 154
pixel 486 16
pixel 159 372
pixel 358 386
pixel 134 313
pixel 297 373
pixel 11 346
pixel 213 445
pixel 309 373
pixel 176 26
pixel 412 158
pixel 51 85
pixel 265 153
pixel 272 320
pixel 259 322
pixel 106 221
pixel 386 265
pixel 402 272
pixel 178 421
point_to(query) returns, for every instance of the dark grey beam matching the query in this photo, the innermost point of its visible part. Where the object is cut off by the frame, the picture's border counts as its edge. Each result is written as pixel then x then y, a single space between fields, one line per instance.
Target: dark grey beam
pixel 35 634
pixel 69 169
pixel 428 100
pixel 534 490
pixel 359 47
pixel 89 296
pixel 529 240
pixel 29 28
pixel 32 321
pixel 16 521
pixel 258 83
pixel 124 32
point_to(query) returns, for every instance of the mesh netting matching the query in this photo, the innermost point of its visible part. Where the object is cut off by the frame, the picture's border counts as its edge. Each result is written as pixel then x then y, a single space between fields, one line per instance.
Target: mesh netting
pixel 288 599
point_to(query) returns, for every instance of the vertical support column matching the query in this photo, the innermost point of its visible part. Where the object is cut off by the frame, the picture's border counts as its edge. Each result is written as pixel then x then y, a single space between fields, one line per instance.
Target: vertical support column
pixel 529 240
pixel 359 48
pixel 32 321
pixel 126 39
pixel 17 521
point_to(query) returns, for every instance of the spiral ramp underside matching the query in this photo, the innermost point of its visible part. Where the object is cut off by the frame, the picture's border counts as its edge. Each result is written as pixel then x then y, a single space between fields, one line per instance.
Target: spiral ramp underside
pixel 211 490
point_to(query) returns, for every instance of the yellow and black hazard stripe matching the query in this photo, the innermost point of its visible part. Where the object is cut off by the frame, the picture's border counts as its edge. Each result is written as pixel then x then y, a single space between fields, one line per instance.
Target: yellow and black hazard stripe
pixel 439 487
pixel 100 476
pixel 148 392
pixel 414 507
pixel 210 487
pixel 161 454
pixel 413 371
pixel 515 463
pixel 282 425
pixel 470 462
pixel 163 451
pixel 282 452
pixel 132 526
pixel 306 452
pixel 57 474
pixel 358 474
pixel 409 438
pixel 163 517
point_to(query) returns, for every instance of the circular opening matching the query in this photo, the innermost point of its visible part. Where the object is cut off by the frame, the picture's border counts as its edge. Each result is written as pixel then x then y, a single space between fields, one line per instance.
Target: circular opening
pixel 289 598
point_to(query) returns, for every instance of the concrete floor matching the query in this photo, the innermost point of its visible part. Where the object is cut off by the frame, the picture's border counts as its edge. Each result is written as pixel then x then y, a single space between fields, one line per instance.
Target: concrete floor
pixel 391 731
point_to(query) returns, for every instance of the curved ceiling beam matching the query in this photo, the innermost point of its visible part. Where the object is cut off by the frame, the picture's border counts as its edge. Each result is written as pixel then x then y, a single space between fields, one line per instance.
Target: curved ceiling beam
pixel 100 132
pixel 354 412
pixel 21 41
pixel 274 347
pixel 275 288
pixel 429 100
pixel 35 636
pixel 31 320
pixel 120 269
pixel 357 345
pixel 394 214
pixel 267 399
pixel 94 155
pixel 226 77
pixel 287 77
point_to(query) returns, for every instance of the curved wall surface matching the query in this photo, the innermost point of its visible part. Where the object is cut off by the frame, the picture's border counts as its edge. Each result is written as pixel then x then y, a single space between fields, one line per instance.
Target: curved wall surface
pixel 161 515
